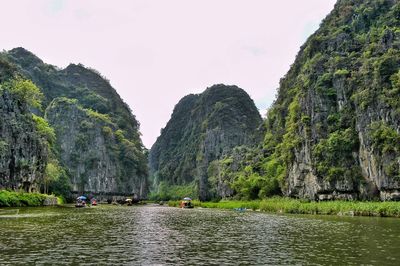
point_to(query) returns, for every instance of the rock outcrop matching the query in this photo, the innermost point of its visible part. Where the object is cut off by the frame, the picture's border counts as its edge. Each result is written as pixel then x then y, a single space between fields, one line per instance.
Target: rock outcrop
pixel 97 136
pixel 334 128
pixel 23 154
pixel 94 153
pixel 203 128
pixel 333 132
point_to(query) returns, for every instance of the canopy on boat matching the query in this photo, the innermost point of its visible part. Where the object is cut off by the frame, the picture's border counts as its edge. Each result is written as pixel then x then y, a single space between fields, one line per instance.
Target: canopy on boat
pixel 81 198
pixel 187 198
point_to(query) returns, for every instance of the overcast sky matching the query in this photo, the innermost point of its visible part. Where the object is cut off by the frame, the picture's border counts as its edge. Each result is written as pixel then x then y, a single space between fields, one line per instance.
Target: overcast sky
pixel 156 52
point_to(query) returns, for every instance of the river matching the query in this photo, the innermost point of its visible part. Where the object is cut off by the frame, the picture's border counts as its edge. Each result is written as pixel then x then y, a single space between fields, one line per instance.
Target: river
pixel 156 235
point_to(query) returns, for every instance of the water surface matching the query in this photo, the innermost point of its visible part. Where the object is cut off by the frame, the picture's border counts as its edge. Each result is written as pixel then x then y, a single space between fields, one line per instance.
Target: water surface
pixel 152 235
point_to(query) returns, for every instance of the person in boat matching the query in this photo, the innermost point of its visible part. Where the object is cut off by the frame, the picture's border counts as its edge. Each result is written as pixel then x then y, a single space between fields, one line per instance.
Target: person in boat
pixel 80 203
pixel 94 202
pixel 129 202
pixel 186 203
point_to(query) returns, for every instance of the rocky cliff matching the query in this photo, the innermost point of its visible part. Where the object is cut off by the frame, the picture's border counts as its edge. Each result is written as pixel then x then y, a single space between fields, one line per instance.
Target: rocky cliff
pixel 340 104
pixel 99 158
pixel 23 152
pixel 333 132
pixel 97 136
pixel 203 128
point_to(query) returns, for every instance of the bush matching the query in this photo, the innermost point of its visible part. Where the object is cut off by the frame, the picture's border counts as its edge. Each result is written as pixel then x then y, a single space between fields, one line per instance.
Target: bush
pixel 44 129
pixel 333 156
pixel 26 92
pixel 295 206
pixel 19 199
pixel 341 72
pixel 57 180
pixel 167 192
pixel 384 138
pixel 98 116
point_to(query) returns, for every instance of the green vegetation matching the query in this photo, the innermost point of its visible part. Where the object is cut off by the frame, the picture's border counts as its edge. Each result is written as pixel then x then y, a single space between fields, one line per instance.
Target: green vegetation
pixel 56 180
pixel 20 199
pixel 337 106
pixel 26 92
pixel 126 151
pixel 202 129
pixel 79 108
pixel 103 117
pixel 334 156
pixel 45 131
pixel 341 72
pixel 384 138
pixel 248 173
pixel 294 206
pixel 344 83
pixel 36 138
pixel 167 192
pixel 386 141
pixel 3 148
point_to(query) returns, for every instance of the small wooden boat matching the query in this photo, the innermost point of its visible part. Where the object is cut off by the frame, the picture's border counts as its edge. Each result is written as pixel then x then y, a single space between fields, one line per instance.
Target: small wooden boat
pixel 186 203
pixel 80 202
pixel 240 209
pixel 129 202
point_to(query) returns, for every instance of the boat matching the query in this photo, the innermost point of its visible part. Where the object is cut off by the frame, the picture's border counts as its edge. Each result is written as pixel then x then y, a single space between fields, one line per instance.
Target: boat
pixel 129 202
pixel 241 209
pixel 94 202
pixel 80 202
pixel 186 203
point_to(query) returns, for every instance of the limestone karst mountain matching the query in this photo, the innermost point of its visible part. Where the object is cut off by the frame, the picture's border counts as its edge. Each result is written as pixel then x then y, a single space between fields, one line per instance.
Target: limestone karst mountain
pixel 334 130
pixel 97 139
pixel 203 128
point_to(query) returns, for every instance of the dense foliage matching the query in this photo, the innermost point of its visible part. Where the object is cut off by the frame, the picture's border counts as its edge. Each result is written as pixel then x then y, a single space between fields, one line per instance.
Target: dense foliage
pixel 20 199
pixel 26 92
pixel 24 131
pixel 202 128
pixel 337 110
pixel 174 192
pixel 296 206
pixel 34 84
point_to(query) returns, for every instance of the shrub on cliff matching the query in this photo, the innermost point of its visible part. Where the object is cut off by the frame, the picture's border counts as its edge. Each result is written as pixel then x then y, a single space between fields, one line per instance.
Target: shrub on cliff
pixel 19 199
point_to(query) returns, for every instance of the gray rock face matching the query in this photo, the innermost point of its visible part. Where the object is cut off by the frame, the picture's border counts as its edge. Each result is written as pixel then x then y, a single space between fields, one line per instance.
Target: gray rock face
pixel 98 138
pixel 203 128
pixel 345 84
pixel 23 156
pixel 91 151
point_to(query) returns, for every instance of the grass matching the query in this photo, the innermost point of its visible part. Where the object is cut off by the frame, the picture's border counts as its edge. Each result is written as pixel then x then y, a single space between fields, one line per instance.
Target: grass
pixel 295 206
pixel 20 199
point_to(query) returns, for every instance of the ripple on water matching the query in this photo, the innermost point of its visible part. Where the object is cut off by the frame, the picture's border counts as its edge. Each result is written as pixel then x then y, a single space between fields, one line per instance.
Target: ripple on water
pixel 171 236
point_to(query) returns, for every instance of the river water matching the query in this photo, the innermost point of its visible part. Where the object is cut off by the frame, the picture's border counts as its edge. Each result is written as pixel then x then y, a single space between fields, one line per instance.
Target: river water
pixel 155 235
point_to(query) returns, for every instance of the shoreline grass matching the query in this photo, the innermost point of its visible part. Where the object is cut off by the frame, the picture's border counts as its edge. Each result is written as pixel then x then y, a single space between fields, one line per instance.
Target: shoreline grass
pixel 295 206
pixel 24 199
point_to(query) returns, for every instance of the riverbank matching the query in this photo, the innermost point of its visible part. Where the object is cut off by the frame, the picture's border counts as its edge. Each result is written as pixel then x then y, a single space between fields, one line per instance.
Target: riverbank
pixel 20 199
pixel 294 206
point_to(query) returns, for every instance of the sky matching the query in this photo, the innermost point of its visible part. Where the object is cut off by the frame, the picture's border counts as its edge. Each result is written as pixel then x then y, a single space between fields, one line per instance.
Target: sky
pixel 155 52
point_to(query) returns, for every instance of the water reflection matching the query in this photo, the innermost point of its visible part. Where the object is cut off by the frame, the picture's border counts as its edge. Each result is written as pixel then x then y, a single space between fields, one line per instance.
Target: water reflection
pixel 170 236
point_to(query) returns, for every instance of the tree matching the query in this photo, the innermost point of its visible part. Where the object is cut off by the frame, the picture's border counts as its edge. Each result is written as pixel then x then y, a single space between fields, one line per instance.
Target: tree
pixel 52 173
pixel 26 92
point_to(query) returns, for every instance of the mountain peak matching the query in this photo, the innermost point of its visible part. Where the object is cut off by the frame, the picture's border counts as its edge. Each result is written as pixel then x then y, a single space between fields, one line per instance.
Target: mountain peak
pixel 25 57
